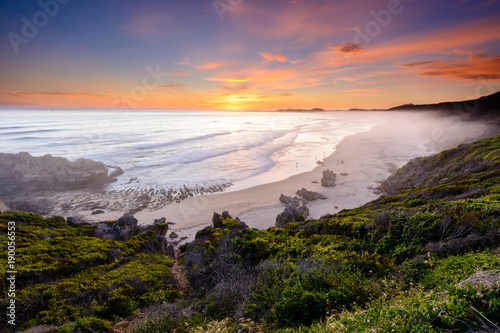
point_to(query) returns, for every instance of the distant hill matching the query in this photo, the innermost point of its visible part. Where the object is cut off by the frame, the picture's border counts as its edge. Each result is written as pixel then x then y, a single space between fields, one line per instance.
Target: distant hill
pixel 484 108
pixel 301 110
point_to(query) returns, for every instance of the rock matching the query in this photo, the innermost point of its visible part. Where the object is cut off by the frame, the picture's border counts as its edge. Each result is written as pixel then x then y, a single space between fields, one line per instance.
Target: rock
pixel 329 178
pixel 99 211
pixel 3 207
pixel 289 201
pixel 173 235
pixel 170 251
pixel 21 172
pixel 125 228
pixel 309 195
pixel 295 203
pixel 290 214
pixel 216 221
pixel 76 221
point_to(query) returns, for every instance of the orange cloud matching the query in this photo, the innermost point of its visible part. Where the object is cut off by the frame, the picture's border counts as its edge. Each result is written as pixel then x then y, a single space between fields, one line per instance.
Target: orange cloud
pixel 453 38
pixel 267 56
pixel 473 68
pixel 363 91
pixel 228 79
pixel 209 65
pixel 270 57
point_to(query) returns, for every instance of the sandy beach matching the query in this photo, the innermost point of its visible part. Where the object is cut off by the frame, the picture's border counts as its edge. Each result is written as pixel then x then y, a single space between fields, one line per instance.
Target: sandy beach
pixel 361 162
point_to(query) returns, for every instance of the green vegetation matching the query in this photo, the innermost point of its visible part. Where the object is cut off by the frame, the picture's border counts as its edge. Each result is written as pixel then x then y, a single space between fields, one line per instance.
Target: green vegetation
pixel 391 264
pixel 406 262
pixel 67 277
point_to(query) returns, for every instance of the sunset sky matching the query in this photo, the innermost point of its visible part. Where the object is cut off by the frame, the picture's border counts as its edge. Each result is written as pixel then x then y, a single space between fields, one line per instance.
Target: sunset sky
pixel 246 54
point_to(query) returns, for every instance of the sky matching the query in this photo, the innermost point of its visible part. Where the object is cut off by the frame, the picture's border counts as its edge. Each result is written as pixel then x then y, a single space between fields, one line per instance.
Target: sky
pixel 246 54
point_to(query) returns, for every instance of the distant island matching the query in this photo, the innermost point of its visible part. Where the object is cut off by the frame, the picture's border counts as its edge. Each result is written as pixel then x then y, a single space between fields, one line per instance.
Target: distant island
pixel 301 110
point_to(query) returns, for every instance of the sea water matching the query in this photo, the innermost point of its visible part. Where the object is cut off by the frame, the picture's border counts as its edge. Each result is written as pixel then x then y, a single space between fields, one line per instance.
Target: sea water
pixel 170 149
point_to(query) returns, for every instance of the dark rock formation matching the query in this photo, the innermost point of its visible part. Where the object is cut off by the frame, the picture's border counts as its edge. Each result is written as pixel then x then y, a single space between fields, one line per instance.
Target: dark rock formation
pixel 98 211
pixel 295 203
pixel 290 214
pixel 174 235
pixel 216 219
pixel 75 221
pixel 159 227
pixel 329 178
pixel 170 251
pixel 291 202
pixel 125 228
pixel 21 172
pixel 309 195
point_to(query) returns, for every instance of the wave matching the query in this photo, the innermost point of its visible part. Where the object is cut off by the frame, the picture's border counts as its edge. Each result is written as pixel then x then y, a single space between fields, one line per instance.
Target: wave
pixel 31 132
pixel 180 141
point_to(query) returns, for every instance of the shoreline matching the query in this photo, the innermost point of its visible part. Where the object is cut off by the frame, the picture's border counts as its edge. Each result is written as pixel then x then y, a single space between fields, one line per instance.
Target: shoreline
pixel 367 158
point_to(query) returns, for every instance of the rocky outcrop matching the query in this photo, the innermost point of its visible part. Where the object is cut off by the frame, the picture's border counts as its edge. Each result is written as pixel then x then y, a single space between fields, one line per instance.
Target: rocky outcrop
pixel 310 195
pixel 295 203
pixel 290 214
pixel 159 227
pixel 291 202
pixel 3 207
pixel 216 219
pixel 329 178
pixel 25 172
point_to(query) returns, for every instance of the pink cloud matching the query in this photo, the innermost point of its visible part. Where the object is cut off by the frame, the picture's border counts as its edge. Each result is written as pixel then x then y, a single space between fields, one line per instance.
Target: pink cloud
pixel 209 65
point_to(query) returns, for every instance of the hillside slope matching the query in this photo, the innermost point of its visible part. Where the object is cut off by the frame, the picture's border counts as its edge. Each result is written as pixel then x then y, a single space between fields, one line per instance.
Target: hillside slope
pixel 393 261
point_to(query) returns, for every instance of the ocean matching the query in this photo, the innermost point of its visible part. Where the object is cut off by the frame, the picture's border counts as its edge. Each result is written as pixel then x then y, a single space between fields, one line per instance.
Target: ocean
pixel 172 149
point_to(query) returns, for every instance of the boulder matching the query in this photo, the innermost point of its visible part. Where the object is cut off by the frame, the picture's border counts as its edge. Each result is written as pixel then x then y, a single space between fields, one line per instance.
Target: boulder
pixel 309 195
pixel 174 235
pixel 170 251
pixel 290 214
pixel 125 228
pixel 329 178
pixel 74 221
pixel 216 221
pixel 291 202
